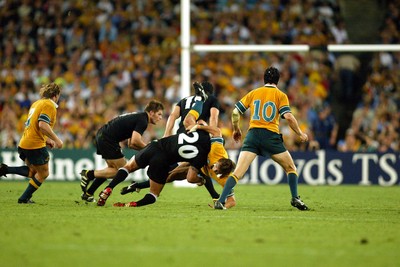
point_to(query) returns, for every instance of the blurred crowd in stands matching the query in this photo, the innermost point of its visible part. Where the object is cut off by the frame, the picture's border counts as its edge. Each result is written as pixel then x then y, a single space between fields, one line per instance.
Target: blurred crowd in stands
pixel 112 57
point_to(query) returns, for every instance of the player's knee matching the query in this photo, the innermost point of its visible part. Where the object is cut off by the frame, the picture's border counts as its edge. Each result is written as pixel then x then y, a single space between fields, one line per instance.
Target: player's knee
pixel 194 179
pixel 42 175
pixel 131 167
pixel 292 169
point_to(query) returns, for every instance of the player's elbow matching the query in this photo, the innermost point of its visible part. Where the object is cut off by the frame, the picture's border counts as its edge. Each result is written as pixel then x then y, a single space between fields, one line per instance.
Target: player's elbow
pixel 289 117
pixel 136 144
pixel 43 125
pixel 235 116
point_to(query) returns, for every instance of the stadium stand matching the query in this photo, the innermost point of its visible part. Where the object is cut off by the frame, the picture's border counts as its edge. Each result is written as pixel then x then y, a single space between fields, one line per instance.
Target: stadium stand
pixel 112 56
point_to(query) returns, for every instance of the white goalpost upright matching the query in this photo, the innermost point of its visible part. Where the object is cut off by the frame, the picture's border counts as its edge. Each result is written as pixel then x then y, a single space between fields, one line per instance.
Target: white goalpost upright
pixel 187 48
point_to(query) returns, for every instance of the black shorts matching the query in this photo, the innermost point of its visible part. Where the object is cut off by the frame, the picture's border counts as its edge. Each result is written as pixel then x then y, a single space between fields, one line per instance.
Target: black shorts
pixel 107 148
pixel 156 159
pixel 39 156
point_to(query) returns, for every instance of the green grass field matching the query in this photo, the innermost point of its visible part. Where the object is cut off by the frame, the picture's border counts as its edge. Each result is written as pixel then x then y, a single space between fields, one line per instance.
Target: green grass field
pixel 346 226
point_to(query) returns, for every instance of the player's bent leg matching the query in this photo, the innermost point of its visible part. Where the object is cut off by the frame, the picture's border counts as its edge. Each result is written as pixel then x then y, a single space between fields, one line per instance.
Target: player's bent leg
pixel 178 173
pixel 285 160
pixel 135 187
pixel 131 165
pixel 112 168
pixel 196 180
pixel 150 198
pixel 42 172
pixel 243 163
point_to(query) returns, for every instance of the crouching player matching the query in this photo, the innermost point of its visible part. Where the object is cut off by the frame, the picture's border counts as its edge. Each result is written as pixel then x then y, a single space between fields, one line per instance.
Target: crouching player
pixel 218 166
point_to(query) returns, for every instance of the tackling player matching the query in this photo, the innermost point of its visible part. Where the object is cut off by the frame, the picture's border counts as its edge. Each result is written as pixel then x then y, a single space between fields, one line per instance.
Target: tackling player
pixel 218 166
pixel 159 156
pixel 129 126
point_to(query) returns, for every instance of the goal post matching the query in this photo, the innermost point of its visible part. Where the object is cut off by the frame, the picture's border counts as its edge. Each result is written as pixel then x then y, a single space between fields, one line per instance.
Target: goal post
pixel 187 48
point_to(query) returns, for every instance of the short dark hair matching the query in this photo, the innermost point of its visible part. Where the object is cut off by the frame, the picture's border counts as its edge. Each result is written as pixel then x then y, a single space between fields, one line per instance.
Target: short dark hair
pixel 154 105
pixel 271 75
pixel 208 87
pixel 226 166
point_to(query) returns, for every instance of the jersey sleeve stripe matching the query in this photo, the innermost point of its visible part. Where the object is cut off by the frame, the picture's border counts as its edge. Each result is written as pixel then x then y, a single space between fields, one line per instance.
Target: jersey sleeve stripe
pixel 239 105
pixel 217 140
pixel 284 109
pixel 195 113
pixel 44 117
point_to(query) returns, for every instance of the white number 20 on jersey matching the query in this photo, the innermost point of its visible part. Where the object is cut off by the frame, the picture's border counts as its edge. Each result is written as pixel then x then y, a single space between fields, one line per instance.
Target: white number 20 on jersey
pixel 188 151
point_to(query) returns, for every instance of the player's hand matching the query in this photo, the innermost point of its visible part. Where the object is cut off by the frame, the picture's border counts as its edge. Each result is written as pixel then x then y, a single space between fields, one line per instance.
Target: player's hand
pixel 303 137
pixel 194 128
pixel 237 135
pixel 50 143
pixel 59 143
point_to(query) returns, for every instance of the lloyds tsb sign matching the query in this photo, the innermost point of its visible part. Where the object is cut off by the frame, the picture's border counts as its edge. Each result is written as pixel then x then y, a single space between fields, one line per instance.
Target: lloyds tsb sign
pixel 314 168
pixel 329 168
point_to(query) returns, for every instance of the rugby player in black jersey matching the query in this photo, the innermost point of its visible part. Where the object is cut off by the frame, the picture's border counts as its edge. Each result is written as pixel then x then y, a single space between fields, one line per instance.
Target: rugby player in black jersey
pixel 129 126
pixel 159 156
pixel 209 113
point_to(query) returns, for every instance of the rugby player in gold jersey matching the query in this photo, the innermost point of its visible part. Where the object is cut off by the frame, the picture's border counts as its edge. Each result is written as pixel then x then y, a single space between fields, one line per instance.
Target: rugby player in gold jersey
pixel 37 137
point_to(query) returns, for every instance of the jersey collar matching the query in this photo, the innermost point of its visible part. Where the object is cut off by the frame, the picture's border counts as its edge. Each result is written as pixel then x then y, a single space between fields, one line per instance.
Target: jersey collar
pixel 270 85
pixel 55 104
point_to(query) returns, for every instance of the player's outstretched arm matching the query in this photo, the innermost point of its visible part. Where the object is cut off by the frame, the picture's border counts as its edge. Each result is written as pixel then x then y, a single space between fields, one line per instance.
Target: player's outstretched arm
pixel 214 113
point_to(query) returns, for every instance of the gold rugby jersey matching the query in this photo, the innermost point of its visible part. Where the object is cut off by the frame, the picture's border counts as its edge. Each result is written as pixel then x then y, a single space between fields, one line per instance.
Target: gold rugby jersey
pixel 41 110
pixel 266 104
pixel 217 151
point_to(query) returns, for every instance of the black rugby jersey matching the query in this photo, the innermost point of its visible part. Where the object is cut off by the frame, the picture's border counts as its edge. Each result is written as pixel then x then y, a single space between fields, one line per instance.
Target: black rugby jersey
pixel 189 147
pixel 187 103
pixel 120 128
